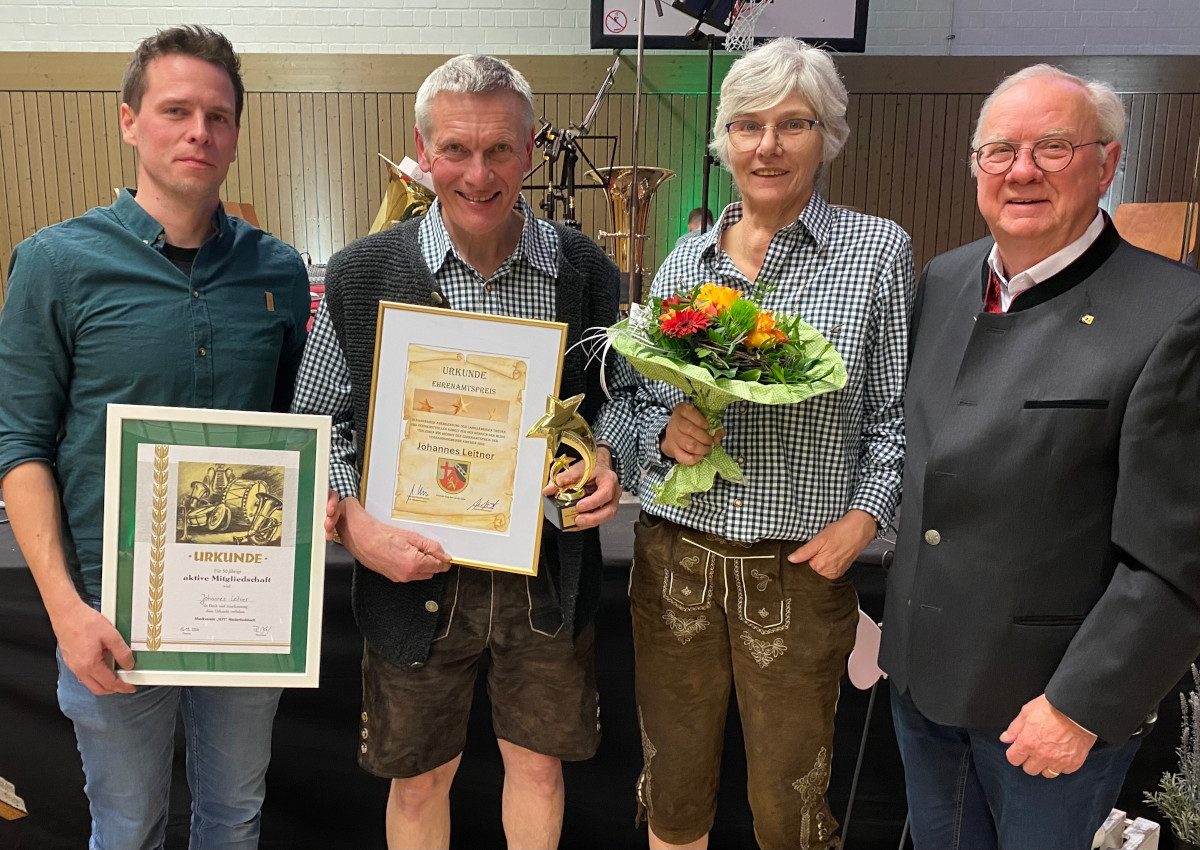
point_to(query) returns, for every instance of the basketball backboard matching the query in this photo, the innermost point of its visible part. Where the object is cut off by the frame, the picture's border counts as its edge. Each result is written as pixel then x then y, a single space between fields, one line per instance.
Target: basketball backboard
pixel 838 24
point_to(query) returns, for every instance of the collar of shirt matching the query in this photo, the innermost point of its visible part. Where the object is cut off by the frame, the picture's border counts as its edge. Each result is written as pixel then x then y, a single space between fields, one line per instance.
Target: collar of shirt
pixel 145 226
pixel 816 220
pixel 534 245
pixel 1047 268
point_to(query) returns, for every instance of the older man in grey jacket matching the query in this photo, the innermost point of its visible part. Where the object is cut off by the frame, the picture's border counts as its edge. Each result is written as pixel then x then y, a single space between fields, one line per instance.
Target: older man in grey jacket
pixel 1046 590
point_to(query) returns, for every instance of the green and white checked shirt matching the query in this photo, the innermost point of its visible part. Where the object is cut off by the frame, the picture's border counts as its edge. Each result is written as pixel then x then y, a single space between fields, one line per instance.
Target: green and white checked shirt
pixel 848 275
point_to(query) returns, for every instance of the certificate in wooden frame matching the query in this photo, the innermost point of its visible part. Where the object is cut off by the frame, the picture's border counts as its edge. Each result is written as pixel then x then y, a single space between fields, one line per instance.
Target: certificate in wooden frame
pixel 214 544
pixel 453 395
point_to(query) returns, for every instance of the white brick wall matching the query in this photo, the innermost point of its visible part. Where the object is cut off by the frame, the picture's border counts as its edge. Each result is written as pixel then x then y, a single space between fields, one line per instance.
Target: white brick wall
pixel 1033 27
pixel 979 27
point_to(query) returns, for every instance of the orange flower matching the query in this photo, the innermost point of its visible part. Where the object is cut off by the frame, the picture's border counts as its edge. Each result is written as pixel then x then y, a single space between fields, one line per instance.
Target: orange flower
pixel 712 299
pixel 765 333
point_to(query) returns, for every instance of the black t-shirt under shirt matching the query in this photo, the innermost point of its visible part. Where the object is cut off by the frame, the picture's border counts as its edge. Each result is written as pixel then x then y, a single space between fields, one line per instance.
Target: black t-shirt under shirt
pixel 181 257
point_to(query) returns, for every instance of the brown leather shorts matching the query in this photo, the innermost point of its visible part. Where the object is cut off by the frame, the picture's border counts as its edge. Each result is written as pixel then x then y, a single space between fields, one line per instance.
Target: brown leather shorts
pixel 542 684
pixel 708 614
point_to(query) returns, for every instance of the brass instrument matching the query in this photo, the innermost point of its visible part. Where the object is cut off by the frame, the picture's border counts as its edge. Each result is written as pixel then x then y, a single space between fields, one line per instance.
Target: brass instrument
pixel 619 193
pixel 402 199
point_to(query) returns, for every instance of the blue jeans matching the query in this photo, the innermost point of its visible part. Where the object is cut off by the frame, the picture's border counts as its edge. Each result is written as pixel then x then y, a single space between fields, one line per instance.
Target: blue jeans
pixel 127 743
pixel 964 795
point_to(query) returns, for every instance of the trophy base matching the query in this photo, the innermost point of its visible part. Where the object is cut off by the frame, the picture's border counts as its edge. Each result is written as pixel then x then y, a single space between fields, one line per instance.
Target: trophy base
pixel 561 514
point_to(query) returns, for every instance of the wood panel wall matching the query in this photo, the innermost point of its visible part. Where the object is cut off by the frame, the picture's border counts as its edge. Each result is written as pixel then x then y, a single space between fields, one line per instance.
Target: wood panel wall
pixel 307 159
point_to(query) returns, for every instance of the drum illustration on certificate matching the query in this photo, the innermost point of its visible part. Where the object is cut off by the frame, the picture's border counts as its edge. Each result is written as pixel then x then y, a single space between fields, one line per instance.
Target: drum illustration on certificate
pixel 230 503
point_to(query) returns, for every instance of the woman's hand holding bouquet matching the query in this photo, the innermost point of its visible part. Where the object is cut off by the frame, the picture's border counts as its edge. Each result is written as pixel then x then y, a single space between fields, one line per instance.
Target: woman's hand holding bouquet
pixel 719 346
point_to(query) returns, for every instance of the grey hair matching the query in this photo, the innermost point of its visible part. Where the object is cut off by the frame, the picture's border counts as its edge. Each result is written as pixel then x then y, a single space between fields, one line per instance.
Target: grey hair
pixel 1106 104
pixel 472 74
pixel 770 74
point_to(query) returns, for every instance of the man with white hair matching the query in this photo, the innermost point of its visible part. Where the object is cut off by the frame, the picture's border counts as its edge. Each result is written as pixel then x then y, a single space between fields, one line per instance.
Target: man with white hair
pixel 1046 589
pixel 426 620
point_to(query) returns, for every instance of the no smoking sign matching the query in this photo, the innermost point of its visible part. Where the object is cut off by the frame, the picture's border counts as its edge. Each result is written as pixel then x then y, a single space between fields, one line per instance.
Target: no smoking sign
pixel 616 21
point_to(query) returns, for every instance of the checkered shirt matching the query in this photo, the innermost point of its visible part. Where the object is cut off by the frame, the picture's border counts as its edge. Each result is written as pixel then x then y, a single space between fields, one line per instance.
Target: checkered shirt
pixel 851 277
pixel 523 287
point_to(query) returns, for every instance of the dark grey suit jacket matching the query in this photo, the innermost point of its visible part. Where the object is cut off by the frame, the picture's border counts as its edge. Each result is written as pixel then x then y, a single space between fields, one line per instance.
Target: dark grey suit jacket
pixel 1051 532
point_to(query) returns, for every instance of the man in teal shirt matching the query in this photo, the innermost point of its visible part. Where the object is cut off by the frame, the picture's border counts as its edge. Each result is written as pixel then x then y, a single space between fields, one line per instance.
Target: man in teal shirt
pixel 159 299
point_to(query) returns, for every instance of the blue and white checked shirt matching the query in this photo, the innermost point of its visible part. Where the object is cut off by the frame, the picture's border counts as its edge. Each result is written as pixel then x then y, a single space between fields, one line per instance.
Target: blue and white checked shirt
pixel 848 275
pixel 522 287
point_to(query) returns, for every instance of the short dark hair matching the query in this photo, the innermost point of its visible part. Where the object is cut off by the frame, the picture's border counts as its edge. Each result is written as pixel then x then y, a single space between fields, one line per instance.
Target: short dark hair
pixel 190 40
pixel 700 214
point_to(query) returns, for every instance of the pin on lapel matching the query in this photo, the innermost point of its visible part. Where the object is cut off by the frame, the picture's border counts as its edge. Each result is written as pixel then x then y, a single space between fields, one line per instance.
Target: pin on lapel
pixel 1087 319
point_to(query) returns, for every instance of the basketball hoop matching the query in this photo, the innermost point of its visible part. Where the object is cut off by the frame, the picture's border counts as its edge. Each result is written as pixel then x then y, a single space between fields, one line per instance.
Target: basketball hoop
pixel 741 29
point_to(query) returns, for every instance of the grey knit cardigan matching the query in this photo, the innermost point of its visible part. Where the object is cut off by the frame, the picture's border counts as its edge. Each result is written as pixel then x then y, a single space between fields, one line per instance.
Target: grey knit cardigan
pixel 388 266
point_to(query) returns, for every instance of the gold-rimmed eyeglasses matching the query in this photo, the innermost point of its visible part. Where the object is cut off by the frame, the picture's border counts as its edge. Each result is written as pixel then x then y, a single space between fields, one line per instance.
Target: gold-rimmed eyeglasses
pixel 1049 155
pixel 746 135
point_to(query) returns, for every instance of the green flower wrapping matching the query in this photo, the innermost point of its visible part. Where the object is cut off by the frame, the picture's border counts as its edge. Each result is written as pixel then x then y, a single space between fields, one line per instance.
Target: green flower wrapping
pixel 711 396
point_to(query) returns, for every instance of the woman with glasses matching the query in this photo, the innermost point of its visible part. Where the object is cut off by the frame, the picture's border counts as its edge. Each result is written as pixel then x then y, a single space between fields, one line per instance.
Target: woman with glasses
pixel 747 586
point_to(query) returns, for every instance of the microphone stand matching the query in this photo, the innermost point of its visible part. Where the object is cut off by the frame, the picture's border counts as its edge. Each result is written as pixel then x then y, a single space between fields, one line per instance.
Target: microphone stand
pixel 635 277
pixel 564 143
pixel 709 161
pixel 694 33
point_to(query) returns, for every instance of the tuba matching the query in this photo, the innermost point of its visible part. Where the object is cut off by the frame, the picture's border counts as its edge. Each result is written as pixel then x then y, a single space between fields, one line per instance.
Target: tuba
pixel 618 183
pixel 402 200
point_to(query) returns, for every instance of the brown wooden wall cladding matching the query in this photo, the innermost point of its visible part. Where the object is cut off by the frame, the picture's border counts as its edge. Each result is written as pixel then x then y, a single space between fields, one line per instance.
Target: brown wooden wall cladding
pixel 307 159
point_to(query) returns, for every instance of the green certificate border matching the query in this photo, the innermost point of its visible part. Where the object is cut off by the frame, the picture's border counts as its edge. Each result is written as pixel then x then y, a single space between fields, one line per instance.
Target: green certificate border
pixel 131 426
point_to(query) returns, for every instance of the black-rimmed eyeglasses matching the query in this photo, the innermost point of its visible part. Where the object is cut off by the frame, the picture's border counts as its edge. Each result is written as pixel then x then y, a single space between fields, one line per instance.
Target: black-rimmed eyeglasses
pixel 747 135
pixel 1049 155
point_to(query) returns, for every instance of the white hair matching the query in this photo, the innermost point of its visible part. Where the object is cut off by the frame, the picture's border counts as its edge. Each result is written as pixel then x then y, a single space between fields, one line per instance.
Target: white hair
pixel 472 74
pixel 1106 104
pixel 770 74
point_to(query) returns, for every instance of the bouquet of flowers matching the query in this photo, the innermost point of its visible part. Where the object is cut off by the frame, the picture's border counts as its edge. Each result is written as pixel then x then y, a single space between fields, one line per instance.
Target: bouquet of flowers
pixel 719 346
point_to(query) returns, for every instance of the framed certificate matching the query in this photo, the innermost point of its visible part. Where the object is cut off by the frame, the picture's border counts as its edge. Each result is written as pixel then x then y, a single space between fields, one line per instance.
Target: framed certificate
pixel 453 395
pixel 214 544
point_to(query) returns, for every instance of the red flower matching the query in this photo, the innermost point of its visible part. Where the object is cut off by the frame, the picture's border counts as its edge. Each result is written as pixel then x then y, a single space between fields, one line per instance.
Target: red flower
pixel 680 323
pixel 671 302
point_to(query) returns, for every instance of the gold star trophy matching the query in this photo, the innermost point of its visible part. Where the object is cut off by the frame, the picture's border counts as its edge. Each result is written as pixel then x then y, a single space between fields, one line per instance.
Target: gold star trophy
pixel 563 425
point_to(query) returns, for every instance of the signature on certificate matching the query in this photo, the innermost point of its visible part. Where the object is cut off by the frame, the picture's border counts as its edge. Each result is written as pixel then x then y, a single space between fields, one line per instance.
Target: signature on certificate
pixel 484 505
pixel 417 492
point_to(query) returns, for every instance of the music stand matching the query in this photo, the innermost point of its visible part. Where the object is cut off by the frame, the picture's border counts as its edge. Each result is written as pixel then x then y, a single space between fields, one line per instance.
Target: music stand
pixel 556 143
pixel 713 13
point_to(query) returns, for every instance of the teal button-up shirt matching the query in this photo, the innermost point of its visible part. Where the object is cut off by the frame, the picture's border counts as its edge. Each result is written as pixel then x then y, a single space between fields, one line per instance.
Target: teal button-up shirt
pixel 97 314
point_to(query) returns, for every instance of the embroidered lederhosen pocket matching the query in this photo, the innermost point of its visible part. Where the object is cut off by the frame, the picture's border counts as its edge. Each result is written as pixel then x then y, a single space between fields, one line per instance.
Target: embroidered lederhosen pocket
pixel 760 600
pixel 449 604
pixel 688 581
